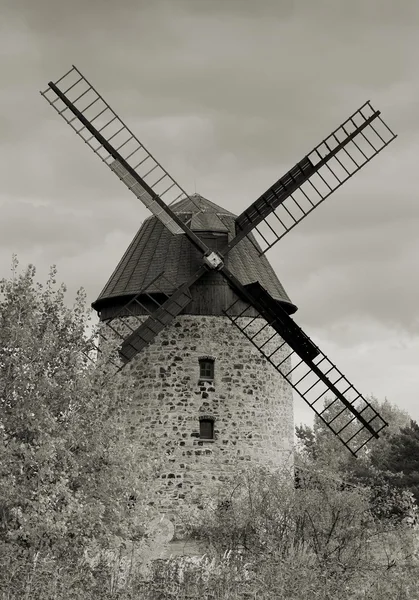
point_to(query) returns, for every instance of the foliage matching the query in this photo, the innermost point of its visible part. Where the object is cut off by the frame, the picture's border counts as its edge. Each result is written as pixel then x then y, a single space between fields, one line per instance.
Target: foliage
pixel 401 459
pixel 379 464
pixel 320 444
pixel 69 481
pixel 267 540
pixel 66 475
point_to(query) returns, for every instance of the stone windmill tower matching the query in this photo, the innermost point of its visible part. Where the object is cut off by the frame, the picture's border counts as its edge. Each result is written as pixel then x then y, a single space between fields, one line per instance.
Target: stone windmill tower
pixel 204 323
pixel 205 394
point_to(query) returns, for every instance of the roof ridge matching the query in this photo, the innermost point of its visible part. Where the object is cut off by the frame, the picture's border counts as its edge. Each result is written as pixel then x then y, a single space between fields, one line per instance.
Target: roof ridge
pixel 197 203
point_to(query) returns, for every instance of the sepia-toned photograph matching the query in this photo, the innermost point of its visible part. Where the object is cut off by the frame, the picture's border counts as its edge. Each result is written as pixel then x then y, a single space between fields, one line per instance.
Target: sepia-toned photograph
pixel 209 300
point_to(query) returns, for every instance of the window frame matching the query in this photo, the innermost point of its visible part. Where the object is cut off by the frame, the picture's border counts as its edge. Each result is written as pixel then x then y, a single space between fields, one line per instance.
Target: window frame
pixel 207 419
pixel 206 363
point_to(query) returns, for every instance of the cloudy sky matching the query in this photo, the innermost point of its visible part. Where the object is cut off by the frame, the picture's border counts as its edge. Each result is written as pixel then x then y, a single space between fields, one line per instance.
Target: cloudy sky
pixel 228 94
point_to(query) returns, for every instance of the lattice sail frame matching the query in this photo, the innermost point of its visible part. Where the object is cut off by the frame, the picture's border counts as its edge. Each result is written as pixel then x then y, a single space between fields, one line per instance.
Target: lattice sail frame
pixel 111 350
pixel 326 168
pixel 92 108
pixel 298 372
pixel 144 335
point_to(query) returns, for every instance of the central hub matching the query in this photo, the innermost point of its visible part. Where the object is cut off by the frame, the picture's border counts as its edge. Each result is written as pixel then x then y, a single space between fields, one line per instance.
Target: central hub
pixel 213 261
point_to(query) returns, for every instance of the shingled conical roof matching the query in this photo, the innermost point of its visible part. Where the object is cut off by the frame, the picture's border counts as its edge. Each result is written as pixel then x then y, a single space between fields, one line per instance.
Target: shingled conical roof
pixel 154 250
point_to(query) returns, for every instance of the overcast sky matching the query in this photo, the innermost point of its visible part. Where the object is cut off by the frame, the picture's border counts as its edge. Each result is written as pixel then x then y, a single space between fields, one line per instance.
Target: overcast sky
pixel 228 94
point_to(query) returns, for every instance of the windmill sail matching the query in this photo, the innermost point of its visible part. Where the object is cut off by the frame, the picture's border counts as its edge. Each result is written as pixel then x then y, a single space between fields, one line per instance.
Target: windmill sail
pixel 84 109
pixel 315 378
pixel 159 320
pixel 295 195
pixel 124 323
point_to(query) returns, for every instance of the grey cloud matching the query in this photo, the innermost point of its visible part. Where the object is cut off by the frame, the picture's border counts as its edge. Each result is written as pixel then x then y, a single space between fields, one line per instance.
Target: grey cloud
pixel 352 276
pixel 60 233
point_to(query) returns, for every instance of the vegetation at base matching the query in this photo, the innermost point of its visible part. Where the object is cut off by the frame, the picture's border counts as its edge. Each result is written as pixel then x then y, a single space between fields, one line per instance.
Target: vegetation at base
pixel 70 489
pixel 66 475
pixel 319 540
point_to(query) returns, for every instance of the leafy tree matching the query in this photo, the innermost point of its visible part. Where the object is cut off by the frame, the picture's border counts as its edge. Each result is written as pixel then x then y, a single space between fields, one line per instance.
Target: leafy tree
pixel 66 465
pixel 373 469
pixel 319 443
pixel 401 459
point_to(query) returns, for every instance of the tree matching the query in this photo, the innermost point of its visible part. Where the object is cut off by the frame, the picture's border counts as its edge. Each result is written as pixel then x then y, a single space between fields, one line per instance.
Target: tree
pixel 401 459
pixel 66 466
pixel 321 444
pixel 376 467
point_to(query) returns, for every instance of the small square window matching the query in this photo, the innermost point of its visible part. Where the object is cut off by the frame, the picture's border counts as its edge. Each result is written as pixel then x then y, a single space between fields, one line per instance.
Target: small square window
pixel 206 429
pixel 206 368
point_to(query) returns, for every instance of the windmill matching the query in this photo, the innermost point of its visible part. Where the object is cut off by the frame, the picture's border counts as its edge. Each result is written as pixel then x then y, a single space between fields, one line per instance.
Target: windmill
pixel 262 319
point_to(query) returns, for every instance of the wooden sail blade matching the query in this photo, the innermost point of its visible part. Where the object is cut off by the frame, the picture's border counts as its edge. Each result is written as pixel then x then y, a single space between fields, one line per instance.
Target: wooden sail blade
pixel 103 348
pixel 143 335
pixel 325 169
pixel 155 323
pixel 91 117
pixel 306 368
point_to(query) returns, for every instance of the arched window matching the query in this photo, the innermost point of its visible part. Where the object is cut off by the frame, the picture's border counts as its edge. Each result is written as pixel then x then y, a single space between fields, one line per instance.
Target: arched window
pixel 206 368
pixel 206 428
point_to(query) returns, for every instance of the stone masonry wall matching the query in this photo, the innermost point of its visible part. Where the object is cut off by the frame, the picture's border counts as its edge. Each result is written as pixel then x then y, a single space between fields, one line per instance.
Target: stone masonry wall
pixel 250 402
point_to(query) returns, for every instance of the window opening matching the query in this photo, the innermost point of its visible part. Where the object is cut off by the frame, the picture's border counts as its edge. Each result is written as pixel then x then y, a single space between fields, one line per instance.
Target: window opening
pixel 206 368
pixel 206 428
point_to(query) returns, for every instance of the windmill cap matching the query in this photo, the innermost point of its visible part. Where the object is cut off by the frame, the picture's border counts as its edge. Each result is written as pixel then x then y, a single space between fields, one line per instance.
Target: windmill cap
pixel 155 250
